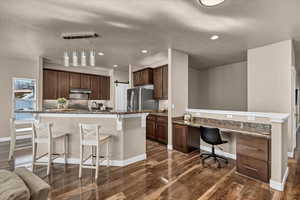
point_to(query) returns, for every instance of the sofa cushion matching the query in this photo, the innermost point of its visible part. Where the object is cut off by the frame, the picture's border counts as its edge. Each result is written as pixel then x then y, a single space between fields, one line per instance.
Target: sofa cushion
pixel 12 187
pixel 38 188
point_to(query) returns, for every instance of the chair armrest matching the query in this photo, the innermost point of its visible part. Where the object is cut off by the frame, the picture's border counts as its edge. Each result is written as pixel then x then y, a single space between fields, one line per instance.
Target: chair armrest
pixel 38 188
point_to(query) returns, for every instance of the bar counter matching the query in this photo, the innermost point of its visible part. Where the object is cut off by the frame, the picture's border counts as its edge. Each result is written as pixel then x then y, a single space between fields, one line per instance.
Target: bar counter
pixel 128 131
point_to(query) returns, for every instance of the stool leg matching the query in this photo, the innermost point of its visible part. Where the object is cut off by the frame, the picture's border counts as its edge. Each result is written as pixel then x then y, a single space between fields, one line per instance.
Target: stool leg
pixel 12 147
pixel 97 162
pixel 50 157
pixel 81 158
pixel 107 153
pixel 34 149
pixel 65 148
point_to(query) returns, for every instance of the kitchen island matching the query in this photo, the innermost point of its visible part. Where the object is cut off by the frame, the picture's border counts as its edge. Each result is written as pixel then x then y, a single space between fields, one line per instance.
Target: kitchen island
pixel 128 130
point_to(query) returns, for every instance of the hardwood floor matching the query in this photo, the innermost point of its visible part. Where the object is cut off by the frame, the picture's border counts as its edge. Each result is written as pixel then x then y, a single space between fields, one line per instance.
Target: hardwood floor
pixel 166 175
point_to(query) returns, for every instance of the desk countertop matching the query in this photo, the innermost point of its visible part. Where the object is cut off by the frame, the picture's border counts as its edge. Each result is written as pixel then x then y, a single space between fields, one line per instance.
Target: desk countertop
pixel 254 129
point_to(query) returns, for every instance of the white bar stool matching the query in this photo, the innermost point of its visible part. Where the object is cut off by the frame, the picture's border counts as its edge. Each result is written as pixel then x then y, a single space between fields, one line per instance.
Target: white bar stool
pixel 43 134
pixel 90 136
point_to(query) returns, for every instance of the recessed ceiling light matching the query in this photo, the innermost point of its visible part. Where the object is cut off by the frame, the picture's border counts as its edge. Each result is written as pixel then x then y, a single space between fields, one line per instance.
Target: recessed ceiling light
pixel 210 3
pixel 115 65
pixel 214 37
pixel 101 54
pixel 144 51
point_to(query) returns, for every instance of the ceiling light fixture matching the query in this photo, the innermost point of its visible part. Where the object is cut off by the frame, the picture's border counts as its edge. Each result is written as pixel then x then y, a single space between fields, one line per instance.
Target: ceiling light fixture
pixel 210 3
pixel 144 51
pixel 101 54
pixel 115 65
pixel 214 37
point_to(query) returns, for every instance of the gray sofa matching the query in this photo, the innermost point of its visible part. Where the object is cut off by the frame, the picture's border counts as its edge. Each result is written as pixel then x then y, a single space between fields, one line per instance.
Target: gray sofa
pixel 22 184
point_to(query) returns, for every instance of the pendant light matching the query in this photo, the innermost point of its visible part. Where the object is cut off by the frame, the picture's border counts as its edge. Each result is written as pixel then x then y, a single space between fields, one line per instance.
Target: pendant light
pixel 66 59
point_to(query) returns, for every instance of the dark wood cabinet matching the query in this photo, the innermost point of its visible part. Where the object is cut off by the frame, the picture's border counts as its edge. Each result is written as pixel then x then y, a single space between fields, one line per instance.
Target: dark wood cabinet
pixel 180 138
pixel 50 86
pixel 185 138
pixel 63 84
pixel 85 81
pixel 165 80
pixel 95 85
pixel 253 157
pixel 104 89
pixel 160 81
pixel 162 129
pixel 150 127
pixel 143 77
pixel 157 128
pixel 157 81
pixel 75 80
pixel 57 84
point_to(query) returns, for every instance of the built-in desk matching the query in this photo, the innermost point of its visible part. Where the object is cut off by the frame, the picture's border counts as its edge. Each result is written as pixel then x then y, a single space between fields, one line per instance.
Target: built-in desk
pixel 252 143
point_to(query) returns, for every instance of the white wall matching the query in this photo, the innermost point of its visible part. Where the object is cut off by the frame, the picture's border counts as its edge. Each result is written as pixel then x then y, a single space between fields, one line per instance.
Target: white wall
pixel 270 87
pixel 10 68
pixel 221 88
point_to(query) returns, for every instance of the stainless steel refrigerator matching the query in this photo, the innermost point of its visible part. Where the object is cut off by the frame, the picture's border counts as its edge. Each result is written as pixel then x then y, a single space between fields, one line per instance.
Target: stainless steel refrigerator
pixel 139 99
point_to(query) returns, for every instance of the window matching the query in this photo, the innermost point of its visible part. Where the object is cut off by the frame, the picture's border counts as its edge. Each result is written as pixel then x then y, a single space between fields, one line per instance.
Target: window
pixel 24 97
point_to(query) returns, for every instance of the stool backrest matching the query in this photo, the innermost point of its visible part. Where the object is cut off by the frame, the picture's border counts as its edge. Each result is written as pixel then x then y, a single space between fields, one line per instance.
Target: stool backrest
pixel 12 128
pixel 89 130
pixel 210 135
pixel 42 130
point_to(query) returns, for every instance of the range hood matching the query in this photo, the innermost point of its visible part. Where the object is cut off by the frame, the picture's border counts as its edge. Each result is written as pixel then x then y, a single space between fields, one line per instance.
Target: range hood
pixel 80 91
pixel 79 94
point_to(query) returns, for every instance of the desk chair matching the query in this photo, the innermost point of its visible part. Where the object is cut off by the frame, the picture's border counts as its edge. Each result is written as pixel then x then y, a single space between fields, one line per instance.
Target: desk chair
pixel 212 136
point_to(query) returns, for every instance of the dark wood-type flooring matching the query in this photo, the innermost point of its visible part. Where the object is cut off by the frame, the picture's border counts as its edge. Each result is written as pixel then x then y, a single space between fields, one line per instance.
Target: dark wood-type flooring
pixel 165 175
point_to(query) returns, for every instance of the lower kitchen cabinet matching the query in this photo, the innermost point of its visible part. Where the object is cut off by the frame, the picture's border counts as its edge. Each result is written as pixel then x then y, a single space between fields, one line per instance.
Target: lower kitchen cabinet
pixel 185 138
pixel 150 129
pixel 157 128
pixel 180 138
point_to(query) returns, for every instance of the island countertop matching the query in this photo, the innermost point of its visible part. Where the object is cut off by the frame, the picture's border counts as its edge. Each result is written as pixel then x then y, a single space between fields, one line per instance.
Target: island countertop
pixel 76 111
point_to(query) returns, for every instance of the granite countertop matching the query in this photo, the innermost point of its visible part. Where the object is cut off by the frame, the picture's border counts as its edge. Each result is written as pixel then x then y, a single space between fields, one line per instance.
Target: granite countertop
pixel 74 111
pixel 254 129
pixel 163 114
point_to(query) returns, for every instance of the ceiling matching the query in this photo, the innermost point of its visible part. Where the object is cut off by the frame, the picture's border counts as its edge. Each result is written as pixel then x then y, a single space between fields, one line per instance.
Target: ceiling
pixel 29 28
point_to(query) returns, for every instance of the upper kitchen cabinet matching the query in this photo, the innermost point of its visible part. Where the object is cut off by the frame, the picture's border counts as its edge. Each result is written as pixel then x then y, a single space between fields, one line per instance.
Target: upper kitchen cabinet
pixel 95 87
pixel 104 89
pixel 57 84
pixel 143 77
pixel 50 86
pixel 63 84
pixel 160 81
pixel 75 80
pixel 85 81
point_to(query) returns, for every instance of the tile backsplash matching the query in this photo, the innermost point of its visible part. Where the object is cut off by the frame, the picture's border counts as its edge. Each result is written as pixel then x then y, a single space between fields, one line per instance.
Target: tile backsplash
pixel 75 104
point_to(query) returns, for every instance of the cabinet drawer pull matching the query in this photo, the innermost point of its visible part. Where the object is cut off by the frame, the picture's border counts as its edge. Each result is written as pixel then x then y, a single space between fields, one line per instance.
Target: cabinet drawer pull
pixel 250 168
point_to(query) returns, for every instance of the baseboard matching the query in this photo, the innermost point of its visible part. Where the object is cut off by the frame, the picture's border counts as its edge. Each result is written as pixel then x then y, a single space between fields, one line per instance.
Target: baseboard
pixel 277 185
pixel 170 147
pixel 116 163
pixel 219 152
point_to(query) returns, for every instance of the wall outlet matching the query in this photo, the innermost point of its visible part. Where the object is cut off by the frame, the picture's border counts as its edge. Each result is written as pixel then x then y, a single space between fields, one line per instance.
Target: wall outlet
pixel 229 116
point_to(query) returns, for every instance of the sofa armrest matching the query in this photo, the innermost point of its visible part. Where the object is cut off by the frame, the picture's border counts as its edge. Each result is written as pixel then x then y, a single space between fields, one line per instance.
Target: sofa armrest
pixel 38 188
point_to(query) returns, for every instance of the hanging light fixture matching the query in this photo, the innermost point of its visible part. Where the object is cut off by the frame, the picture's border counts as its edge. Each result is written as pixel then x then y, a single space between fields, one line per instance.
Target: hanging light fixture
pixel 75 58
pixel 83 58
pixel 210 3
pixel 92 57
pixel 66 59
